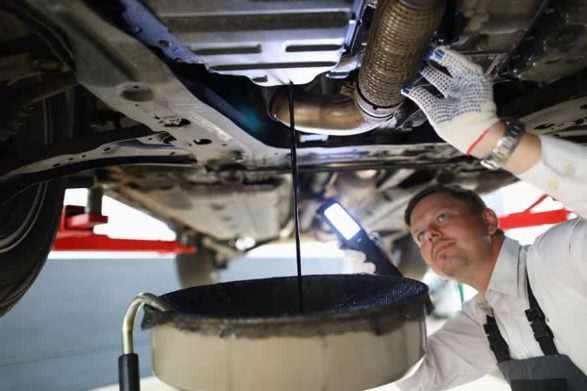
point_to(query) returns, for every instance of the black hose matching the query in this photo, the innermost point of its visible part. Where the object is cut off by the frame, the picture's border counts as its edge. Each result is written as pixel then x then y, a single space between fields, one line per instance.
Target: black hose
pixel 128 372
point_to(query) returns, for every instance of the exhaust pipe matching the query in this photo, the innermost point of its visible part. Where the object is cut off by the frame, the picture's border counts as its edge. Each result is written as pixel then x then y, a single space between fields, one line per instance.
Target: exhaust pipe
pixel 400 33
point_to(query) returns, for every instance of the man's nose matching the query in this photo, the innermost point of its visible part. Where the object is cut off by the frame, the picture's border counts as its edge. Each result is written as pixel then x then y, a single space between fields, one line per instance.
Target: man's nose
pixel 432 234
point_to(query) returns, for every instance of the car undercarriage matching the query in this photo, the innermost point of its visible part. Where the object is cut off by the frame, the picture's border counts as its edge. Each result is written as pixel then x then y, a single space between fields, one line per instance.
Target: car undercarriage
pixel 181 108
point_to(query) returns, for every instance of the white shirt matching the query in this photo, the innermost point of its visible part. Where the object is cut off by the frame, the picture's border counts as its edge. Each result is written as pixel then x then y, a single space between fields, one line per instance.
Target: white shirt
pixel 556 264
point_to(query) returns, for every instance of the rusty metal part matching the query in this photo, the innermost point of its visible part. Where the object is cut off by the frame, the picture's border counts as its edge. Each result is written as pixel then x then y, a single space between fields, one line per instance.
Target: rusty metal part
pixel 333 115
pixel 400 32
pixel 396 47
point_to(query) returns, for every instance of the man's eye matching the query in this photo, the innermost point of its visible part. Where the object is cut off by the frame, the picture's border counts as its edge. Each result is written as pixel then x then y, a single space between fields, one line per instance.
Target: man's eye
pixel 420 236
pixel 442 217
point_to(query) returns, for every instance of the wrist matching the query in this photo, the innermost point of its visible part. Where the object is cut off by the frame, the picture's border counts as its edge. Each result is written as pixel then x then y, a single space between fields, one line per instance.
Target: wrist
pixel 506 146
pixel 488 140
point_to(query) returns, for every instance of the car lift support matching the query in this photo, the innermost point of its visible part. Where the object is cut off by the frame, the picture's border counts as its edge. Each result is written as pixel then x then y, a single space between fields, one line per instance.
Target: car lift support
pixel 76 233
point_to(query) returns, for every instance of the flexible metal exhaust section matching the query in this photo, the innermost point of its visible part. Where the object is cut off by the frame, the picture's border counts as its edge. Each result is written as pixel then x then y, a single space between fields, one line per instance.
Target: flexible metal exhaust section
pixel 399 35
pixel 396 47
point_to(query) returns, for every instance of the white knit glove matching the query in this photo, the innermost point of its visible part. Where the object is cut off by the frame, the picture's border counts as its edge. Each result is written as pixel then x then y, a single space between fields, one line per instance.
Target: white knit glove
pixel 467 110
pixel 356 262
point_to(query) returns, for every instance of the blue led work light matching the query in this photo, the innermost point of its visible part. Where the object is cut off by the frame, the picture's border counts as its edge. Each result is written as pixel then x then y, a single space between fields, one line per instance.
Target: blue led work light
pixel 341 220
pixel 354 237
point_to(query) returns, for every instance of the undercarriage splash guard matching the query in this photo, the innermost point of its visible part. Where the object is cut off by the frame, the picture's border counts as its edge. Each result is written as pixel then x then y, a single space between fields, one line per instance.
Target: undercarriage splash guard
pixel 255 39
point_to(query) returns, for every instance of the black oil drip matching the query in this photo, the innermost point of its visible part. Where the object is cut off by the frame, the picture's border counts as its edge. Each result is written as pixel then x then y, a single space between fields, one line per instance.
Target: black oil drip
pixel 294 169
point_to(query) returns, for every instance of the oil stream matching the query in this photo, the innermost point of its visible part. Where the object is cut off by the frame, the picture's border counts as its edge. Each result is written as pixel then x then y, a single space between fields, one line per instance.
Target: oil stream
pixel 294 169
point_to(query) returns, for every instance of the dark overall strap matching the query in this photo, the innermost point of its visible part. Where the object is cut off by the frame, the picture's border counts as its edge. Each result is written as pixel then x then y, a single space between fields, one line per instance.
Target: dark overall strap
pixel 535 316
pixel 542 332
pixel 497 344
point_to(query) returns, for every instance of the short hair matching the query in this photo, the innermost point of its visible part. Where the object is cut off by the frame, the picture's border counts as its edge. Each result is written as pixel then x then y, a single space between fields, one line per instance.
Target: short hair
pixel 470 198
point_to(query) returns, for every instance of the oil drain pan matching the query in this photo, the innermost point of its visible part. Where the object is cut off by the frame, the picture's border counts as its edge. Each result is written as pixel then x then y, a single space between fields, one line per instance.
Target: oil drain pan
pixel 356 332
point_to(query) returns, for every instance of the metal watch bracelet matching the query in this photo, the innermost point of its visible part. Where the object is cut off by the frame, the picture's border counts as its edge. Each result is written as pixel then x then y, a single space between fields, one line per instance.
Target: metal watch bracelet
pixel 505 146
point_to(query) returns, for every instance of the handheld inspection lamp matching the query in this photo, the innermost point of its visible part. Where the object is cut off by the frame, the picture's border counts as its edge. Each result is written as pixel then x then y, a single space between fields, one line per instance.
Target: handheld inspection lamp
pixel 353 236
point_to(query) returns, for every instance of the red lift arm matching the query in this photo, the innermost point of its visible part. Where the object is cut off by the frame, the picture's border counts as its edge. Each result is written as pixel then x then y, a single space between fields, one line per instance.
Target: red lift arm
pixel 527 218
pixel 76 233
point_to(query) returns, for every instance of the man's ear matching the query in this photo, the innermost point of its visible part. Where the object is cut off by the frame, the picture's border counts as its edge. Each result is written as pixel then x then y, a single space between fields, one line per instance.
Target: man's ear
pixel 491 221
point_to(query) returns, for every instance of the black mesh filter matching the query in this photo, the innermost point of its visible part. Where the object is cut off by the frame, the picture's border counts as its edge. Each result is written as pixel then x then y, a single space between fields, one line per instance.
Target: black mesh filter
pixel 332 303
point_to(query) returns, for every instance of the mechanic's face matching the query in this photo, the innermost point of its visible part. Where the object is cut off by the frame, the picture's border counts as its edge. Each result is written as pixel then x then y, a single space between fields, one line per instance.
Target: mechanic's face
pixel 453 240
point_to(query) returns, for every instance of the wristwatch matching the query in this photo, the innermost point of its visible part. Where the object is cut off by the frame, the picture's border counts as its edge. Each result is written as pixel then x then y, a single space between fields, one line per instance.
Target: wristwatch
pixel 505 146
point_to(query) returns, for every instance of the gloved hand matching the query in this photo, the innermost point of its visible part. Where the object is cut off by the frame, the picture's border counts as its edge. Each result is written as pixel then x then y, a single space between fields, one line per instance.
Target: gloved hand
pixel 356 262
pixel 467 110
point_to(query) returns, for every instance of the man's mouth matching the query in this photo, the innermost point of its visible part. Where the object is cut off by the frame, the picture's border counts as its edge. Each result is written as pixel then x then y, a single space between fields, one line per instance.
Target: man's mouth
pixel 441 246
